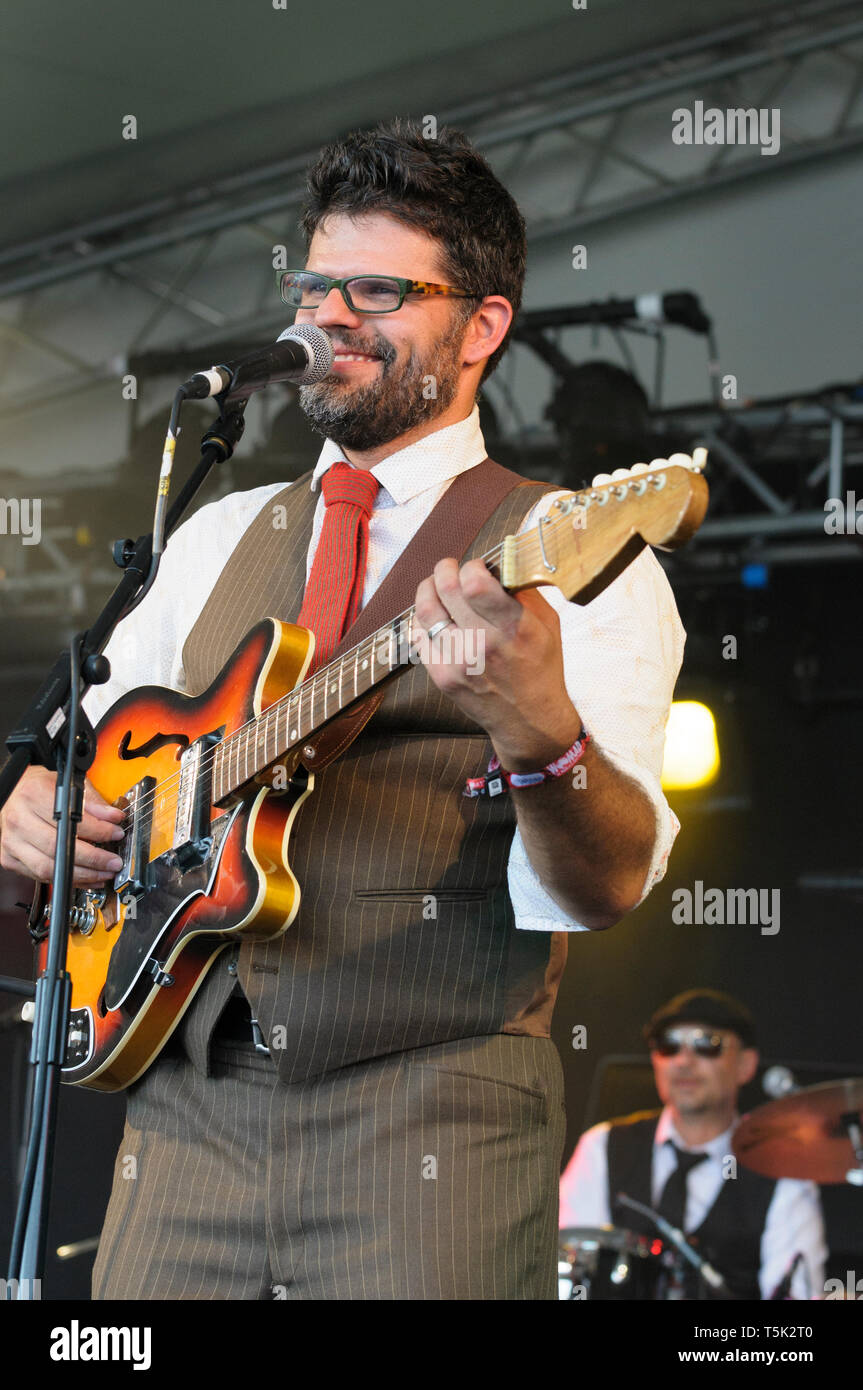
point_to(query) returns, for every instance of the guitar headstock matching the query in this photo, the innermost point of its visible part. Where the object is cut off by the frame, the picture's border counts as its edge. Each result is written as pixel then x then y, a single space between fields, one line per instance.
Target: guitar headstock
pixel 588 538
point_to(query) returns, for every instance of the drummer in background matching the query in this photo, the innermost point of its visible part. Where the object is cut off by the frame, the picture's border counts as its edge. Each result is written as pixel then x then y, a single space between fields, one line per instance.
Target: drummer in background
pixel 679 1160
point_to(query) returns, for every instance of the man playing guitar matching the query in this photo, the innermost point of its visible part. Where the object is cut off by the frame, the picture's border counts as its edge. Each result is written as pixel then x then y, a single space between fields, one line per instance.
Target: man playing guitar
pixel 370 1105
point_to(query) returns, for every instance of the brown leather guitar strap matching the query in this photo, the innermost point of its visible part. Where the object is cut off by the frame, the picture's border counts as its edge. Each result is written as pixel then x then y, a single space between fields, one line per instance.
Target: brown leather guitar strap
pixel 450 528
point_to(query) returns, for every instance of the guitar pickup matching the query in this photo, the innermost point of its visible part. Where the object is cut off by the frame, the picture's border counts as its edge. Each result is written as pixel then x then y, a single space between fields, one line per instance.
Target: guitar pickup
pixel 193 839
pixel 131 881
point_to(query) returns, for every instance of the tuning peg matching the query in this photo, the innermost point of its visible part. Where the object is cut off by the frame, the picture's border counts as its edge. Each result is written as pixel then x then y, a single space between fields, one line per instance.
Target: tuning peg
pixel 681 460
pixel 601 479
pixel 619 473
pixel 699 459
pixel 639 468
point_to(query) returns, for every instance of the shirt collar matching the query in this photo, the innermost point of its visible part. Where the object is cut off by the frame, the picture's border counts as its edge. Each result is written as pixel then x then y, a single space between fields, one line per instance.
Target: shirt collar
pixel 431 461
pixel 717 1148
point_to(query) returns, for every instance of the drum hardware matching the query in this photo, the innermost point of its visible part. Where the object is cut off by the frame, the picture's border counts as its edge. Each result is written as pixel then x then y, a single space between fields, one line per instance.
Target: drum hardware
pixel 611 1262
pixel 676 1237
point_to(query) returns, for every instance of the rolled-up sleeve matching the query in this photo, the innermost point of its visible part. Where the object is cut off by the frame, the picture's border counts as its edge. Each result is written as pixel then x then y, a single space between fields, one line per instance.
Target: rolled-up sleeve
pixel 622 655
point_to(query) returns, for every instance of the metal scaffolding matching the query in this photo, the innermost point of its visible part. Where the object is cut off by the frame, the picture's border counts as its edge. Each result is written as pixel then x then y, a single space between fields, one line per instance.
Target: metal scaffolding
pixel 773 466
pixel 602 117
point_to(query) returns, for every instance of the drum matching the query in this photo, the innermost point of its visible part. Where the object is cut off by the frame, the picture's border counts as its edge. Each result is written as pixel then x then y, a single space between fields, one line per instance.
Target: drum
pixel 610 1262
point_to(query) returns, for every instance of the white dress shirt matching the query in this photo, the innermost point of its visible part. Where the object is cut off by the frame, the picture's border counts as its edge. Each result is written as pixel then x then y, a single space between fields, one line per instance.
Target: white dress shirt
pixel 794 1221
pixel 622 652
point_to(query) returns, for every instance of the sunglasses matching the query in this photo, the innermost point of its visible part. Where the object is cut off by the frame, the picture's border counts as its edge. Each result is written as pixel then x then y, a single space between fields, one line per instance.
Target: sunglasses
pixel 702 1042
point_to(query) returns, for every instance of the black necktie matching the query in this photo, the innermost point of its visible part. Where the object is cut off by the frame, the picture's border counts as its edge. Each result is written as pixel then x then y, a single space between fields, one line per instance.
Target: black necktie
pixel 672 1203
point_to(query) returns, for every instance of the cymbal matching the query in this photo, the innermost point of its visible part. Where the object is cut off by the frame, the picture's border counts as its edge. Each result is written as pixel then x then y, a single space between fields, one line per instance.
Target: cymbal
pixel 801 1135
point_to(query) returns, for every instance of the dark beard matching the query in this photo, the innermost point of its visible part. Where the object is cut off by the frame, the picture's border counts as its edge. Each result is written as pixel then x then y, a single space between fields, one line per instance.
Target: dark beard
pixel 368 416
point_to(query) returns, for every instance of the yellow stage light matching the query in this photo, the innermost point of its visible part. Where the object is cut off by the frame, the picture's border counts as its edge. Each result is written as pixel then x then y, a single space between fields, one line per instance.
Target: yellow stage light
pixel 691 750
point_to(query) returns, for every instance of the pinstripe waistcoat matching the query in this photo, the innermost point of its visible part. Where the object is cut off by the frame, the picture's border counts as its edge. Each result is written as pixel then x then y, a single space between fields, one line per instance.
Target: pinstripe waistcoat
pixel 405 934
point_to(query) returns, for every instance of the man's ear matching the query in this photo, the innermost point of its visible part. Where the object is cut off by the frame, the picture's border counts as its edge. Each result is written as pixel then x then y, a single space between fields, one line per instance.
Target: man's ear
pixel 488 328
pixel 748 1065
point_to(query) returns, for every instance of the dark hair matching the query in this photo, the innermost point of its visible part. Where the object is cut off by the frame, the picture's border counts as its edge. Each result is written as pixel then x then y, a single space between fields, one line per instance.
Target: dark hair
pixel 441 186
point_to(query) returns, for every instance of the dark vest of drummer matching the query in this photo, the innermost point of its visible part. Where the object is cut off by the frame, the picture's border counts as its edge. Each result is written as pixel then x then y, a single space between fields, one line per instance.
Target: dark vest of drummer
pixel 763 1237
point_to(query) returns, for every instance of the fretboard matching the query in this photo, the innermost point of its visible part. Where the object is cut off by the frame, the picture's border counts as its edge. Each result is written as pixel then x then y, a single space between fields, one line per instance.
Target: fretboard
pixel 303 712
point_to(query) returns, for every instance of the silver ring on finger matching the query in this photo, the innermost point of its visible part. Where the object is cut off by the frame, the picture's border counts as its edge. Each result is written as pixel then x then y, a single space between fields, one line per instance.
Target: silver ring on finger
pixel 438 628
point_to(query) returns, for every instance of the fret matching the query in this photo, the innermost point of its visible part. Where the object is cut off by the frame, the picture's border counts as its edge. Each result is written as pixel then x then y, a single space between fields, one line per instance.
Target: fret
pixel 291 721
pixel 307 722
pixel 277 738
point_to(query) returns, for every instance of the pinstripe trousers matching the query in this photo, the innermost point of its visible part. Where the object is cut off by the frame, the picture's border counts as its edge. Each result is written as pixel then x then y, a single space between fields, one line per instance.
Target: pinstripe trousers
pixel 431 1174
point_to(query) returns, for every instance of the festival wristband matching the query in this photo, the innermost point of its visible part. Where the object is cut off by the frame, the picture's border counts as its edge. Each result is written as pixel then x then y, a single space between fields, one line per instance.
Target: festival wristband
pixel 497 779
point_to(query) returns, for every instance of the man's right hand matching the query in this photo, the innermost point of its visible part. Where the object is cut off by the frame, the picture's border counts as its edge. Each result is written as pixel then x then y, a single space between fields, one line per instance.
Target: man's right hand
pixel 28 832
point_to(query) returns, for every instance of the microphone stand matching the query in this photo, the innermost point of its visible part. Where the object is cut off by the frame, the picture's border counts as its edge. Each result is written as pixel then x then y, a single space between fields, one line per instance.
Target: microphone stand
pixel 710 1275
pixel 54 732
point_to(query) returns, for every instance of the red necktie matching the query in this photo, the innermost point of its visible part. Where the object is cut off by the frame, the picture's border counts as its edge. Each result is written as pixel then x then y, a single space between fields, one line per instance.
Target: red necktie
pixel 334 590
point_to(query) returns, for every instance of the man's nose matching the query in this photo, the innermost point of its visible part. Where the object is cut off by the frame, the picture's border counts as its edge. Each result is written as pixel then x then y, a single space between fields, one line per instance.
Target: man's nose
pixel 333 310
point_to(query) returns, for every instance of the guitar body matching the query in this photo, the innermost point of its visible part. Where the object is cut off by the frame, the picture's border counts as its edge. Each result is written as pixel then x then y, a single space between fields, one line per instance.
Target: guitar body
pixel 136 967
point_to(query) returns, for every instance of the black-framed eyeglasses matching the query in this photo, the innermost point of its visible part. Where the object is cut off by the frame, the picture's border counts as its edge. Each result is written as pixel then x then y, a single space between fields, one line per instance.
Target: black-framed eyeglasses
pixel 703 1042
pixel 363 294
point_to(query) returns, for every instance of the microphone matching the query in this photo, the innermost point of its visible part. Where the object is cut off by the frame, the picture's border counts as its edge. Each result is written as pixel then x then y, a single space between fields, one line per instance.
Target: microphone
pixel 779 1081
pixel 302 354
pixel 678 306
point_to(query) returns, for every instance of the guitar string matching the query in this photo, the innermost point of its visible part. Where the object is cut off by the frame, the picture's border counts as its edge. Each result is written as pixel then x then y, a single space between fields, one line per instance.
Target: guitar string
pixel 396 629
pixel 315 684
pixel 527 543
